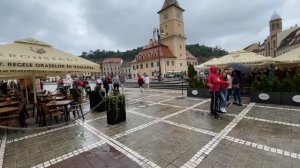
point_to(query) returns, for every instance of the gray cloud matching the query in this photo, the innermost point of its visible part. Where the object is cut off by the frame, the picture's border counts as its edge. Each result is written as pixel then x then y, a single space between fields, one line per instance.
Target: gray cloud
pixel 83 25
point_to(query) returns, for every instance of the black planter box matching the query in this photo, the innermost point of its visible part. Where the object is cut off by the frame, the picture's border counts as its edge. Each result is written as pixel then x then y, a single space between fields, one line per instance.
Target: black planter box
pixel 198 92
pixel 289 98
pixel 95 99
pixel 112 116
pixel 266 97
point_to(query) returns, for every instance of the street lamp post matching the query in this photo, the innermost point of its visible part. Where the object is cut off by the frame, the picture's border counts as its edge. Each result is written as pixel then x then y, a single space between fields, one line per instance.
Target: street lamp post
pixel 158 32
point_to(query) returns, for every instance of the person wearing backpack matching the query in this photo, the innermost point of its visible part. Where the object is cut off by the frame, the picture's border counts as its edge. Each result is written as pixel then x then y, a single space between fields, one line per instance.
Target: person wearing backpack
pixel 236 88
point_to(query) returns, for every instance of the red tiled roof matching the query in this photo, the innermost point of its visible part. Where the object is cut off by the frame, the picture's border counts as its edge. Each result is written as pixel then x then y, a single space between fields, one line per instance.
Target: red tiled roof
pixel 152 53
pixel 189 55
pixel 113 60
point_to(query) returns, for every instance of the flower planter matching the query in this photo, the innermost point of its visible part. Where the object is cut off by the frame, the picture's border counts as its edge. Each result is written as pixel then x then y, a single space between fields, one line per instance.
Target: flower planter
pixel 198 92
pixel 116 113
pixel 266 97
pixel 289 98
pixel 95 99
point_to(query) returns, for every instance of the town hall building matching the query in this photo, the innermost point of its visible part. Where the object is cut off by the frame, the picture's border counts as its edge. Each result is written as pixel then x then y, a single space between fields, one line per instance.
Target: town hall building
pixel 168 53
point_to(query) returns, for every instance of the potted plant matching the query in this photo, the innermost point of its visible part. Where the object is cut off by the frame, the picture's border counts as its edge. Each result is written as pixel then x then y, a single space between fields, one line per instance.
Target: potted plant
pixel 96 97
pixel 290 91
pixel 266 90
pixel 115 108
pixel 198 88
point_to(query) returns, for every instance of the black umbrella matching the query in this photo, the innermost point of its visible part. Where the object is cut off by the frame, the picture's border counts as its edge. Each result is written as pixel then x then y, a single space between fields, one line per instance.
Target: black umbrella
pixel 240 67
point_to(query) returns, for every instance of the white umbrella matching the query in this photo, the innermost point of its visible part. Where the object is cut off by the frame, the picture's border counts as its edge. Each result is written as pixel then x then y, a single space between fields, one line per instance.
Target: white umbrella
pixel 32 58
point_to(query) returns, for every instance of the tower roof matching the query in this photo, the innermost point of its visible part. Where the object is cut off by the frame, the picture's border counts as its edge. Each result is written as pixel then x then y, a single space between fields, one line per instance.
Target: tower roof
pixel 275 16
pixel 169 3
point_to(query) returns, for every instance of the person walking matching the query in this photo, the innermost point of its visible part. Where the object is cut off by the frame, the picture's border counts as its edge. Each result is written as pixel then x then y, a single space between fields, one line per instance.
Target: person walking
pixel 122 82
pixel 236 88
pixel 214 86
pixel 110 84
pixel 140 82
pixel 147 82
pixel 116 82
pixel 106 85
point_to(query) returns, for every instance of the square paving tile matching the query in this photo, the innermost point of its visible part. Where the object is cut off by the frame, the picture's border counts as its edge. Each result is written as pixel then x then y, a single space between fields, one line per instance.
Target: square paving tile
pixel 272 135
pixel 102 156
pixel 282 115
pixel 231 154
pixel 155 98
pixel 231 109
pixel 165 144
pixel 36 150
pixel 130 104
pixel 202 120
pixel 158 110
pixel 181 101
pixel 132 121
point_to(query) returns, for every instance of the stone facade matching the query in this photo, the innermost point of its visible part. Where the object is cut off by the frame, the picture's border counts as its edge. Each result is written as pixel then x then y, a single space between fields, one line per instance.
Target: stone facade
pixel 170 52
pixel 273 44
pixel 112 66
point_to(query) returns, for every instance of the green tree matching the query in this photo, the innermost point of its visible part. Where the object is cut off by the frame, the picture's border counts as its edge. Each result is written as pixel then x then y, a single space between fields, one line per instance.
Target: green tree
pixel 191 71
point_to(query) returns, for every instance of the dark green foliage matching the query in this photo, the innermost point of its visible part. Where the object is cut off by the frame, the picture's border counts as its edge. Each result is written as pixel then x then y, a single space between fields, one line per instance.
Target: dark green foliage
pixel 98 55
pixel 129 55
pixel 191 71
pixel 204 51
pixel 288 84
pixel 197 83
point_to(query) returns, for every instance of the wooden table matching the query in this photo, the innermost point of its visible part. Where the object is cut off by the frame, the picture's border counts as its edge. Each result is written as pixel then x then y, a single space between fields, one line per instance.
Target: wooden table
pixel 60 98
pixel 6 110
pixel 63 103
pixel 5 104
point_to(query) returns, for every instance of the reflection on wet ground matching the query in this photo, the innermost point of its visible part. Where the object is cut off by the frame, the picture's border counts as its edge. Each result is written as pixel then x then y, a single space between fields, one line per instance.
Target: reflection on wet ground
pixel 164 129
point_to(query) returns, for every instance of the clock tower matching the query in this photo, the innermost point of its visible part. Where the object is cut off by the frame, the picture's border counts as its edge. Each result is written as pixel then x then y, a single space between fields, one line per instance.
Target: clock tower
pixel 171 21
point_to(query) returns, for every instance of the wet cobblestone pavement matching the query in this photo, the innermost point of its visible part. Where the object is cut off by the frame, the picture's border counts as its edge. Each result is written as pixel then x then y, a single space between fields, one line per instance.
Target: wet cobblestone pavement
pixel 164 129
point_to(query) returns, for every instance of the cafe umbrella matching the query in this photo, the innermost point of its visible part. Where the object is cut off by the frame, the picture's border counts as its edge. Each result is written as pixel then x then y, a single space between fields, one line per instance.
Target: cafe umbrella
pixel 30 58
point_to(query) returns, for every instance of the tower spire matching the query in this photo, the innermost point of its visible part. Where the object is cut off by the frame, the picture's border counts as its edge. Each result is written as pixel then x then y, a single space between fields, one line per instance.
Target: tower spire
pixel 169 3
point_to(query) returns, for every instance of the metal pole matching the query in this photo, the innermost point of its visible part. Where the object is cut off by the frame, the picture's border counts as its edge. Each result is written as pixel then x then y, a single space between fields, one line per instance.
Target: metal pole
pixel 182 87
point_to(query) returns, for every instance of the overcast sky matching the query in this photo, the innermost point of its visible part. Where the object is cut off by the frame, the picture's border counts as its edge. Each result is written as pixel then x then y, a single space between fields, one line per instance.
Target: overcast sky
pixel 84 25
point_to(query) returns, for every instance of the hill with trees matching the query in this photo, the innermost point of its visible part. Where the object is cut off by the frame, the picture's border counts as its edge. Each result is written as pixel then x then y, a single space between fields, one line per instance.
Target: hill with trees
pixel 197 50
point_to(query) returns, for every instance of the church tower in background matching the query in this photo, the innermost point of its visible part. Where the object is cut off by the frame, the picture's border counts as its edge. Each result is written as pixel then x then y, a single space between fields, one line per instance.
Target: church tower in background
pixel 172 23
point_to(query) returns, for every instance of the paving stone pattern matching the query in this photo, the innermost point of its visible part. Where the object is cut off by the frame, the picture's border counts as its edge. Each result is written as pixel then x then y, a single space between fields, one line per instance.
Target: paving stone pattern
pixel 164 129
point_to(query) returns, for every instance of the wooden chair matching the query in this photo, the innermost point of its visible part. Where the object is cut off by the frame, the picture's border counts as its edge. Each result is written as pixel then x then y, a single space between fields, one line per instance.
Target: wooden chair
pixel 17 117
pixel 76 108
pixel 52 113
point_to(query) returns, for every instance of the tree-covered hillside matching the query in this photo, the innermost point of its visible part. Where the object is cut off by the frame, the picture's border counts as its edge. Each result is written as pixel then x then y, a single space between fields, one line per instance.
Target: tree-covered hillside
pixel 205 51
pixel 129 55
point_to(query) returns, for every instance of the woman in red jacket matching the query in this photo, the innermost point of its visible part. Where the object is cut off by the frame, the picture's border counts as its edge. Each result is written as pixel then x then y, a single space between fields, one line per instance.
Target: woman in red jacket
pixel 214 86
pixel 223 91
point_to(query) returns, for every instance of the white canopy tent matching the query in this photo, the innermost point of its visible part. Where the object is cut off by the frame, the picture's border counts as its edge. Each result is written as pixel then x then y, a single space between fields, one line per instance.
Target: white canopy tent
pixel 242 57
pixel 292 57
pixel 30 58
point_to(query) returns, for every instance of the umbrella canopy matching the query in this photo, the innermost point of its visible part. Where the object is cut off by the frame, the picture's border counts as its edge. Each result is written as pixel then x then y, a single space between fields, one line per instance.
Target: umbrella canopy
pixel 30 56
pixel 241 57
pixel 240 67
pixel 203 65
pixel 289 57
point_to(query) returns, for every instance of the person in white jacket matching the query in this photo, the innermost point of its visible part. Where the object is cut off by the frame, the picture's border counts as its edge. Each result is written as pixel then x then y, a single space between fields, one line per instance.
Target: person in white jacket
pixel 147 82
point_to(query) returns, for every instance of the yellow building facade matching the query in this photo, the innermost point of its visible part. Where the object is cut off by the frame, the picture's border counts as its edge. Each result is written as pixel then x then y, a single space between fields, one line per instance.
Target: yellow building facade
pixel 170 52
